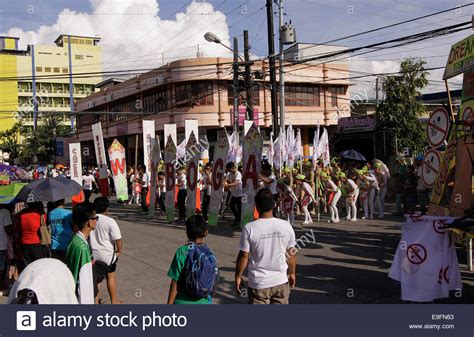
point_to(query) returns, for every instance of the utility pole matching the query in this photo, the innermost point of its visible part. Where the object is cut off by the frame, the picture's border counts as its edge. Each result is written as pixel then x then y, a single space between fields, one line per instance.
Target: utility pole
pixel 248 76
pixel 235 70
pixel 376 93
pixel 282 79
pixel 71 86
pixel 271 63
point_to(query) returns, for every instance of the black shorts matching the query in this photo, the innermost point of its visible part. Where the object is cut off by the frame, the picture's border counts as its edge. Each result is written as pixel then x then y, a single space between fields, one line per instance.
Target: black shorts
pixel 101 269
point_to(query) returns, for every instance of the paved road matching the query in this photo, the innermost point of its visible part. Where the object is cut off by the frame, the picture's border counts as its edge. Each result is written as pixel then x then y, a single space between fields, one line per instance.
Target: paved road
pixel 345 263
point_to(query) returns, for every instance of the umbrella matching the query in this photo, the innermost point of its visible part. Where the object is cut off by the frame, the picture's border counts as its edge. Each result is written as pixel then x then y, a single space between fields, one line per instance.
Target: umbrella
pixel 8 193
pixel 13 173
pixel 59 166
pixel 49 189
pixel 352 155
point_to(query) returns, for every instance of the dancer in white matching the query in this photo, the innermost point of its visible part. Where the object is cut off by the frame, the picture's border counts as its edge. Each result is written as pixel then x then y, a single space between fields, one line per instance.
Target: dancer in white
pixel 334 194
pixel 382 180
pixel 308 198
pixel 351 197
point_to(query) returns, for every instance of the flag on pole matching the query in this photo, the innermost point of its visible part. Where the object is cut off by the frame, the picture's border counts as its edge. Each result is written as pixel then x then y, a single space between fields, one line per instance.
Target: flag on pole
pixel 290 143
pixel 277 149
pixel 233 148
pixel 298 147
pixel 315 147
pixel 271 152
pixel 323 148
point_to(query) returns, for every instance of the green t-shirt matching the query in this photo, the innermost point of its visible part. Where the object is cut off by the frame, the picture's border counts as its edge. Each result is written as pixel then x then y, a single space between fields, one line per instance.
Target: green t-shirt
pixel 174 273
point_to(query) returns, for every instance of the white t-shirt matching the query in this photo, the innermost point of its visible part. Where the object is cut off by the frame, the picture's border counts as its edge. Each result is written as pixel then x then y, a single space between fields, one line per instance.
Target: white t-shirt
pixel 102 239
pixel 5 220
pixel 182 180
pixel 372 181
pixel 88 182
pixel 206 184
pixel 145 180
pixel 267 241
pixel 235 191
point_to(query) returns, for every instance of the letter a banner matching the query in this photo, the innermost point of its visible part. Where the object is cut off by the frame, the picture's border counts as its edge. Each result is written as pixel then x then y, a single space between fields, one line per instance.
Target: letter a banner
pixel 217 176
pixel 192 169
pixel 119 169
pixel 252 153
pixel 101 160
pixel 170 178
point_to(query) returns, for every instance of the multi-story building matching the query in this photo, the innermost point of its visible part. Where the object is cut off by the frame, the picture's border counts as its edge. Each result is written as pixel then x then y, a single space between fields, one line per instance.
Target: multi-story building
pixel 201 89
pixel 51 76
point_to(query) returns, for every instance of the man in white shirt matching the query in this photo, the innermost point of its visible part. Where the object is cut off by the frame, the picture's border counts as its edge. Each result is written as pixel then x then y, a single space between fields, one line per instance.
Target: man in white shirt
pixel 145 185
pixel 88 183
pixel 234 183
pixel 5 228
pixel 106 245
pixel 267 247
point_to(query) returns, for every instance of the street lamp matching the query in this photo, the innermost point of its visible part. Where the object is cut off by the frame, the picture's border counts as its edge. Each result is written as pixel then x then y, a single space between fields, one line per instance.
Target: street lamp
pixel 211 37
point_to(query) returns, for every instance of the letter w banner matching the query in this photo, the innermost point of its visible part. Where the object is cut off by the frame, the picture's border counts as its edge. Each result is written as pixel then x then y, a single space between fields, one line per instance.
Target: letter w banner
pixel 426 263
pixel 192 170
pixel 75 163
pixel 217 176
pixel 101 160
pixel 119 169
pixel 170 178
pixel 252 153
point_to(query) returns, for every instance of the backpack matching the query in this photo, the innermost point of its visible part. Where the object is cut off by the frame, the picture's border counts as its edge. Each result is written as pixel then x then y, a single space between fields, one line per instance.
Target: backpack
pixel 200 275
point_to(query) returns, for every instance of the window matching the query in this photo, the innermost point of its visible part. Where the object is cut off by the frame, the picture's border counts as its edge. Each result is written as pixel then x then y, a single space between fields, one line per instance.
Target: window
pixel 56 70
pixel 65 70
pixel 301 95
pixel 198 93
pixel 335 92
pixel 156 102
pixel 47 69
pixel 79 57
pixel 39 69
pixel 242 96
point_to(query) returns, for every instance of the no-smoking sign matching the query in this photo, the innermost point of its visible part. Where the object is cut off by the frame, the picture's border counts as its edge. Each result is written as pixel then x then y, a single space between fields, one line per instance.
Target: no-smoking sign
pixel 438 127
pixel 416 254
pixel 430 168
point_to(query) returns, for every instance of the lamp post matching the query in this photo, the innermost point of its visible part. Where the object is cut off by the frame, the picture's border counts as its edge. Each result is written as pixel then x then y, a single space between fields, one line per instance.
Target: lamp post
pixel 211 37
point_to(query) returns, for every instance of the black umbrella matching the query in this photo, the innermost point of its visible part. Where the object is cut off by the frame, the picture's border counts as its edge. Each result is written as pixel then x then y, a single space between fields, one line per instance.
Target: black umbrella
pixel 49 189
pixel 352 155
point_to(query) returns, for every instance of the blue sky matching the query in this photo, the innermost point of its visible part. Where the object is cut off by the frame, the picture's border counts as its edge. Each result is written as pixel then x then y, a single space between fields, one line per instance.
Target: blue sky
pixel 315 21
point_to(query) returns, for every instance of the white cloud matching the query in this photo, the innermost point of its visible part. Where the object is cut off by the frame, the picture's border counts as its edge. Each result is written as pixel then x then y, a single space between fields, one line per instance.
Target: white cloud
pixel 134 35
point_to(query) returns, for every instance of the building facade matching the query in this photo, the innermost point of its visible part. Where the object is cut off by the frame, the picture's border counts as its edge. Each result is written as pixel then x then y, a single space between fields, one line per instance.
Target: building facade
pixel 51 76
pixel 201 89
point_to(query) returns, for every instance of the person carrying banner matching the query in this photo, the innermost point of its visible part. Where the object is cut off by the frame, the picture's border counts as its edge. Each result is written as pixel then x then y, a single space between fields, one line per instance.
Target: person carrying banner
pixel 234 183
pixel 145 181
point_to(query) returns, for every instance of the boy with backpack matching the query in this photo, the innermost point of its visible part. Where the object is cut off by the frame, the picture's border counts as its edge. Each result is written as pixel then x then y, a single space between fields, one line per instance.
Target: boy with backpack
pixel 193 272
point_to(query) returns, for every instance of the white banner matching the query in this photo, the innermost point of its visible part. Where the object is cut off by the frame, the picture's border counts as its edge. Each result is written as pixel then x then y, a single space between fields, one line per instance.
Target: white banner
pixel 252 153
pixel 426 263
pixel 290 143
pixel 218 175
pixel 233 148
pixel 315 147
pixel 148 143
pixel 271 151
pixel 191 125
pixel 170 129
pixel 119 169
pixel 155 160
pixel 192 172
pixel 323 148
pixel 101 160
pixel 298 150
pixel 277 149
pixel 75 162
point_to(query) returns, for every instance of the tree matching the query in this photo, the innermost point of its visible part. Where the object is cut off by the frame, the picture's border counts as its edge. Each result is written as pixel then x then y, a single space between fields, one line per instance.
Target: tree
pixel 9 141
pixel 402 108
pixel 40 143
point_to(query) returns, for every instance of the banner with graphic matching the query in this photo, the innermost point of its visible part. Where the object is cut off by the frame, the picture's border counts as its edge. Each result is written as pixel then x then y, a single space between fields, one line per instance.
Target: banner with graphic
pixel 119 169
pixel 101 159
pixel 323 148
pixel 426 263
pixel 148 142
pixel 170 177
pixel 252 153
pixel 192 172
pixel 155 161
pixel 218 175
